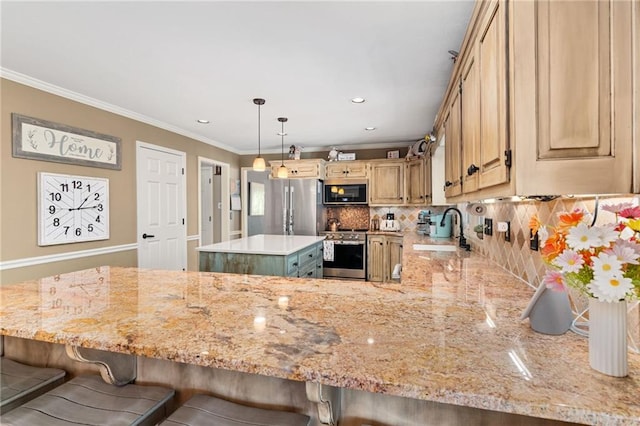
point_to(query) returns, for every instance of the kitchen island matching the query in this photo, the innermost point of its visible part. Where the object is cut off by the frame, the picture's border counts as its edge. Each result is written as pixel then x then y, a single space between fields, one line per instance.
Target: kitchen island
pixel 282 255
pixel 448 336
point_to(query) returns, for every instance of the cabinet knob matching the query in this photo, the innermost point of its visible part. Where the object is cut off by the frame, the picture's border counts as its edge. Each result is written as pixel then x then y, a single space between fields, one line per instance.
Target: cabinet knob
pixel 448 184
pixel 472 169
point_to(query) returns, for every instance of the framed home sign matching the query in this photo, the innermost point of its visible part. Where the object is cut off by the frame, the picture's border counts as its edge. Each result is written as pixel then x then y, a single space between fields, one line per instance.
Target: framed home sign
pixel 47 141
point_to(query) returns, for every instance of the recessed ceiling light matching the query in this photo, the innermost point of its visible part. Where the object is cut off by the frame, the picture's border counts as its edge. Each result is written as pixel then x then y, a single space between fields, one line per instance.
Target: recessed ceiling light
pixel 369 128
pixel 202 121
pixel 357 100
pixel 282 134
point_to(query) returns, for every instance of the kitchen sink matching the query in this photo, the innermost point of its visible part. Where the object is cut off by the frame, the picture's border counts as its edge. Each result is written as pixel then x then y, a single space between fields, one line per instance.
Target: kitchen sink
pixel 434 247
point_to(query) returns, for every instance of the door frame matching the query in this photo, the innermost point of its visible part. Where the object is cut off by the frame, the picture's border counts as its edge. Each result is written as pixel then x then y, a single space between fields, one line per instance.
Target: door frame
pixel 225 211
pixel 183 183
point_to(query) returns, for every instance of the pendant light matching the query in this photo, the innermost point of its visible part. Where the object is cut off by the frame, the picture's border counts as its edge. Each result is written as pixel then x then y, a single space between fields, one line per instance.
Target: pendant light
pixel 258 162
pixel 283 173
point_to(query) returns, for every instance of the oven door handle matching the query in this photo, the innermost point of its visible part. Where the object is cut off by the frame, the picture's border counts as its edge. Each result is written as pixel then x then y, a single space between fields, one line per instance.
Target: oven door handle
pixel 349 243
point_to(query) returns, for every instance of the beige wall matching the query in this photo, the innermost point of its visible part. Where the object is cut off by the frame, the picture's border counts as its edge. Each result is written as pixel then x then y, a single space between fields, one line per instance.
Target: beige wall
pixel 18 227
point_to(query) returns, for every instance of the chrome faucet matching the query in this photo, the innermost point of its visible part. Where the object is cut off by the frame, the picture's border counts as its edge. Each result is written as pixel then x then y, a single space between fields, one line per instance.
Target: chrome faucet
pixel 463 240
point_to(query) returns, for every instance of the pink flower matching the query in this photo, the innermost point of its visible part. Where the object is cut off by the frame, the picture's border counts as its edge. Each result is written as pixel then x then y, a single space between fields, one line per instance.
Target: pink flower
pixel 570 261
pixel 623 252
pixel 616 208
pixel 554 281
pixel 630 212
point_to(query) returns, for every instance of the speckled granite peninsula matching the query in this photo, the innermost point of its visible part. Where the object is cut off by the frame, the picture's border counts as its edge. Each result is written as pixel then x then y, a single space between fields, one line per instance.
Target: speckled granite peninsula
pixel 449 333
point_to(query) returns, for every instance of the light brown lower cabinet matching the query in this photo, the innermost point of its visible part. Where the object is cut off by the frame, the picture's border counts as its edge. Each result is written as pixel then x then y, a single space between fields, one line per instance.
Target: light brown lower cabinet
pixel 383 253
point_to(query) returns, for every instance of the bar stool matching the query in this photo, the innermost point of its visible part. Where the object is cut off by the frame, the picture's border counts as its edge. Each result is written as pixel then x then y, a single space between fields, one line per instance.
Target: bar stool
pixel 204 410
pixel 21 383
pixel 89 400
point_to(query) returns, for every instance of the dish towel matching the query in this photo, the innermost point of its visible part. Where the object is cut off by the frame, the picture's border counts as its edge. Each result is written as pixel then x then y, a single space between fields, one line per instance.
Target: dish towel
pixel 327 252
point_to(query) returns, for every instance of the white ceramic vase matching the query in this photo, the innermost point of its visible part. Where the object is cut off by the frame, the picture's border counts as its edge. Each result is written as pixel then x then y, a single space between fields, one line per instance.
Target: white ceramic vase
pixel 608 337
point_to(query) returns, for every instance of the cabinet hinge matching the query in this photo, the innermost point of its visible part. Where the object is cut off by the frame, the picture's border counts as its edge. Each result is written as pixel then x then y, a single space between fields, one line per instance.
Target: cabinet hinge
pixel 183 170
pixel 507 158
pixel 183 221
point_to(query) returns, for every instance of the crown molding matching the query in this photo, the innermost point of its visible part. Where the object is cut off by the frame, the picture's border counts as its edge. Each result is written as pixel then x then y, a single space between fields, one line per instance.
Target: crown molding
pixel 74 96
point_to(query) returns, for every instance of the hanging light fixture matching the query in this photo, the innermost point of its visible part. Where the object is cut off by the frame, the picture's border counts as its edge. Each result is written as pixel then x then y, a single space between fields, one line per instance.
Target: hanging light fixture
pixel 258 162
pixel 283 173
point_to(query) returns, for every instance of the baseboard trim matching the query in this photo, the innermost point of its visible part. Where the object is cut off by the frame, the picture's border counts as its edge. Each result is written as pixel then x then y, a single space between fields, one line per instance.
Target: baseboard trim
pixel 59 257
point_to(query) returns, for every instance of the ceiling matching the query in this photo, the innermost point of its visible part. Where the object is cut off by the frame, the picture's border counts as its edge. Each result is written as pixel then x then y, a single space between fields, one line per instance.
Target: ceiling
pixel 171 63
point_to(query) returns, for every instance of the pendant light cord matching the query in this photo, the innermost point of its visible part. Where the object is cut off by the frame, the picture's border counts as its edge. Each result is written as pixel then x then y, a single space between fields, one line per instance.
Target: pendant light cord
pixel 282 144
pixel 258 130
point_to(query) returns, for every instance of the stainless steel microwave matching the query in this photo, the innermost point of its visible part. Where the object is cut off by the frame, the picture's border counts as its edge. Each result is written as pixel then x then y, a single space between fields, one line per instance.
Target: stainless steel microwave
pixel 345 192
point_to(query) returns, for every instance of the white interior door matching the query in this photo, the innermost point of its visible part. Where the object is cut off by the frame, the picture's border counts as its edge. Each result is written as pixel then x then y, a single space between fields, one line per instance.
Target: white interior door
pixel 161 201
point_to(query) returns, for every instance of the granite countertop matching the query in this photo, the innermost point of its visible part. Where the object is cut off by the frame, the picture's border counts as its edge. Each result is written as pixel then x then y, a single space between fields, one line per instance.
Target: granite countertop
pixel 450 332
pixel 280 245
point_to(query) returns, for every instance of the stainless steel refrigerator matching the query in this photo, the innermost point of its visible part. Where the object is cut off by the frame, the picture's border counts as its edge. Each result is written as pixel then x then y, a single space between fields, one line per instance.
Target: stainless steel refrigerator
pixel 291 206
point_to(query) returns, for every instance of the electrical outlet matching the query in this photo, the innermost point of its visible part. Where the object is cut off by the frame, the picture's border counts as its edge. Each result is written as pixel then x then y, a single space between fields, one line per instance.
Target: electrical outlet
pixel 488 226
pixel 533 240
pixel 507 233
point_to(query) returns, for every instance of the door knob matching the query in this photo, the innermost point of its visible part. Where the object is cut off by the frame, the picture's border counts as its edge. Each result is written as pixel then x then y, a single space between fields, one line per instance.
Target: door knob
pixel 145 236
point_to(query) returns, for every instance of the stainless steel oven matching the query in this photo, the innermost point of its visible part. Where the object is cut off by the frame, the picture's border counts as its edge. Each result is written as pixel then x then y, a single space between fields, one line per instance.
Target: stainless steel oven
pixel 349 257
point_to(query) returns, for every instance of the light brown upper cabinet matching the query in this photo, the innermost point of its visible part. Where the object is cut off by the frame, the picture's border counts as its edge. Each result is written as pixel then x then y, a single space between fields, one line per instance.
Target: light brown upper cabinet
pixel 300 169
pixel 572 75
pixel 453 148
pixel 418 181
pixel 400 182
pixel 346 169
pixel 386 182
pixel 470 125
pixel 491 50
pixel 636 99
pixel 544 91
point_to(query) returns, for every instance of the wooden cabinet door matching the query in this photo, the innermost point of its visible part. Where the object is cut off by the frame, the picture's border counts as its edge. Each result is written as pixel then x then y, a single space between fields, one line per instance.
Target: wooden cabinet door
pixel 387 183
pixel 346 169
pixel 335 170
pixel 470 125
pixel 394 256
pixel 491 52
pixel 375 258
pixel 416 182
pixel 573 85
pixel 452 160
pixel 357 169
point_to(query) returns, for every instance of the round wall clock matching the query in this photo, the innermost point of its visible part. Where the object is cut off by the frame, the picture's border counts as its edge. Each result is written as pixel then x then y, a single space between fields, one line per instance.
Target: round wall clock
pixel 72 209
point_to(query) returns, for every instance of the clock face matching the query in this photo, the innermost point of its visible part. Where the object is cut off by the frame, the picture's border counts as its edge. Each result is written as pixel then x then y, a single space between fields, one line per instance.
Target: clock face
pixel 72 209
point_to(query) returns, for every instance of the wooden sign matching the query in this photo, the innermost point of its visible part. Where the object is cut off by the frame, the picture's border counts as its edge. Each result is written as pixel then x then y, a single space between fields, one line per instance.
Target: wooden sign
pixel 44 140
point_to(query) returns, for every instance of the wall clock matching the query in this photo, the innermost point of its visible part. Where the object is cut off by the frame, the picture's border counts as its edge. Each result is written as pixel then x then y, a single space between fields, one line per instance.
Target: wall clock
pixel 72 209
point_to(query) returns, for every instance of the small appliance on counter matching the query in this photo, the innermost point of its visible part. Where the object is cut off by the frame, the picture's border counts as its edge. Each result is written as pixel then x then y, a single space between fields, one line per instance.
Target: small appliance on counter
pixel 440 231
pixel 424 222
pixel 389 225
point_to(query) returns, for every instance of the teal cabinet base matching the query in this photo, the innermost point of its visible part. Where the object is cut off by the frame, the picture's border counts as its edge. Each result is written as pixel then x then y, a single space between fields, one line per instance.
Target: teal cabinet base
pixel 303 263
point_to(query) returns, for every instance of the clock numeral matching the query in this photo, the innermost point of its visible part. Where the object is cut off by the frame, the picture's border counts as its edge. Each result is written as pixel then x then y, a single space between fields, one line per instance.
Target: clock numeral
pixel 66 230
pixel 77 184
pixel 97 196
pixel 88 187
pixel 98 219
pixel 56 221
pixel 100 208
pixel 52 209
pixel 56 196
pixel 64 187
pixel 90 227
pixel 78 232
